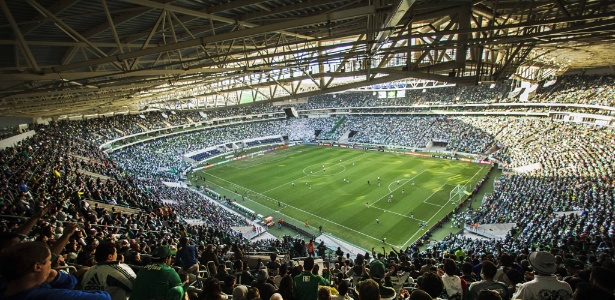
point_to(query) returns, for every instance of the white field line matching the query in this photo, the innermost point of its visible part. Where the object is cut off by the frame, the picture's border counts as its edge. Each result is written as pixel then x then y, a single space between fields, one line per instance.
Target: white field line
pixel 391 191
pixel 310 175
pixel 262 161
pixel 301 210
pixel 434 215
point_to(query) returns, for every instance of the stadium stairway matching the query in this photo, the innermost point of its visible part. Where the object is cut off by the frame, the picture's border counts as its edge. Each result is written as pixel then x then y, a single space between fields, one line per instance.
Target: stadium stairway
pixel 331 132
pixel 344 138
pixel 333 243
pixel 109 207
pixel 94 175
pixel 247 231
pixel 489 231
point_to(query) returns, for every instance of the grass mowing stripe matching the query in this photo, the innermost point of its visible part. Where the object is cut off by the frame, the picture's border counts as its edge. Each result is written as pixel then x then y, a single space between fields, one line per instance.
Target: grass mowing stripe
pixel 339 205
pixel 434 215
pixel 303 211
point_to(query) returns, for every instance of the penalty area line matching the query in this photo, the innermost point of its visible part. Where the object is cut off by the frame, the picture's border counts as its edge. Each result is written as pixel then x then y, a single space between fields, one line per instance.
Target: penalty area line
pixel 301 210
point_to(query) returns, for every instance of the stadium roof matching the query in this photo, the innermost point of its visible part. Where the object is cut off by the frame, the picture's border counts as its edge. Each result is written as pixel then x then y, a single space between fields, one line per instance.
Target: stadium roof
pixel 94 56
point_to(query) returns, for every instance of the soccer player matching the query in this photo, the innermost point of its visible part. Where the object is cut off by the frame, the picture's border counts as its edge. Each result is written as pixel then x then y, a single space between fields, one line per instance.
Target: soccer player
pixel 293 184
pixel 377 221
pixel 402 191
pixel 368 183
pixel 307 224
pixel 366 204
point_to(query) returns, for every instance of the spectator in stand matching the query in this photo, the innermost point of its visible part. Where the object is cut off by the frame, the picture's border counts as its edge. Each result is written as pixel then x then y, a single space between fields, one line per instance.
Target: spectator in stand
pixel 431 283
pixel 228 284
pixel 158 279
pixel 240 292
pixel 419 295
pixel 602 277
pixel 273 265
pixel 286 288
pixel 262 283
pixel 187 257
pixel 209 254
pixel 588 291
pixel 466 273
pixel 454 286
pixel 368 290
pixel 489 295
pixel 27 273
pixel 306 283
pixel 109 274
pixel 379 274
pixel 488 271
pixel 342 289
pixel 324 293
pixel 212 290
pixel 253 294
pixel 545 284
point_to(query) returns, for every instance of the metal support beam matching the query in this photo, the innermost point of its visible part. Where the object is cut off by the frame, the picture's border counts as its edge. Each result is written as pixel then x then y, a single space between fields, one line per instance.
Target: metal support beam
pixel 194 13
pixel 22 42
pixel 335 16
pixel 69 31
pixel 135 62
pixel 462 38
pixel 112 26
pixel 57 8
pixel 391 22
pixel 561 7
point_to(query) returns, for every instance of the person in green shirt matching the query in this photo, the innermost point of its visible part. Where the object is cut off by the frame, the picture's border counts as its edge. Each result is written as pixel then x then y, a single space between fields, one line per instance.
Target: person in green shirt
pixel 158 279
pixel 306 283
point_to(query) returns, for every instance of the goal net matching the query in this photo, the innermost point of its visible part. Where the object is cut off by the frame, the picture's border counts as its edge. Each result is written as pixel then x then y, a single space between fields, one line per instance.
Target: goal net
pixel 458 193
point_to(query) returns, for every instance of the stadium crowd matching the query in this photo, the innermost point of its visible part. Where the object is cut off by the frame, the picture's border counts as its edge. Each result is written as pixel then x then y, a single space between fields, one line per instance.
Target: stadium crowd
pixel 560 199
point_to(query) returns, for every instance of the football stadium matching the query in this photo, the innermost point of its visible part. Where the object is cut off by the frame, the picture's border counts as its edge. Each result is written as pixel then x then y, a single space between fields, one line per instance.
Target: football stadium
pixel 307 149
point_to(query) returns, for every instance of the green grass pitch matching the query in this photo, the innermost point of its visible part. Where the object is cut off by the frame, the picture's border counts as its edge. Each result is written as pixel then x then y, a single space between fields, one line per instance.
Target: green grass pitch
pixel 308 183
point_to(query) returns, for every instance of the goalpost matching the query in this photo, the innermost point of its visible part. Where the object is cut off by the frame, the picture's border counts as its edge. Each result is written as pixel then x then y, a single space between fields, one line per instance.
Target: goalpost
pixel 254 154
pixel 457 193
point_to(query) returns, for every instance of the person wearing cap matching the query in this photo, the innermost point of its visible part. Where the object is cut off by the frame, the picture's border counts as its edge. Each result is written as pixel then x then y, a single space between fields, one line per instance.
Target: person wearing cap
pixel 545 285
pixel 378 273
pixel 158 279
pixel 306 283
pixel 109 274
